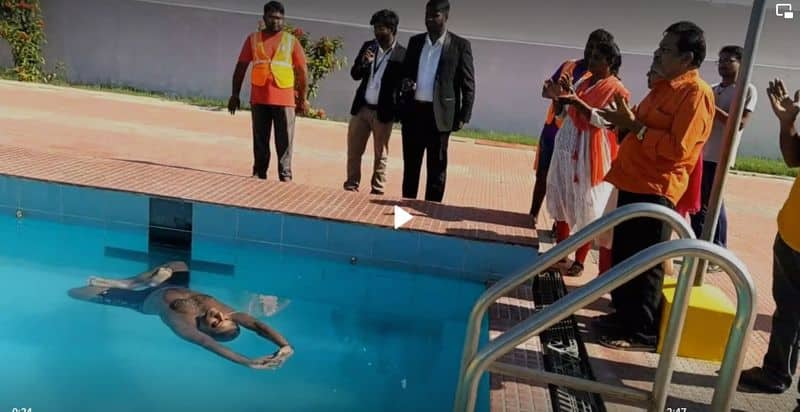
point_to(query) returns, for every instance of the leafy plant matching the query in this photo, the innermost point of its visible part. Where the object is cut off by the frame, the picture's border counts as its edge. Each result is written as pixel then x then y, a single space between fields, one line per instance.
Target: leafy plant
pixel 21 24
pixel 321 59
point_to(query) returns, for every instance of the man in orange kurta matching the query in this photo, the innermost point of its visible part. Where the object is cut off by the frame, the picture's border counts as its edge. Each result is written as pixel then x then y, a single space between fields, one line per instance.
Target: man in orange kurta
pixel 663 141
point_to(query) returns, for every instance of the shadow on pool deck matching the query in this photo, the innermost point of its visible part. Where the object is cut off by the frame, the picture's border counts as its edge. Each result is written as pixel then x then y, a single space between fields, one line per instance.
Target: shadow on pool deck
pixel 456 213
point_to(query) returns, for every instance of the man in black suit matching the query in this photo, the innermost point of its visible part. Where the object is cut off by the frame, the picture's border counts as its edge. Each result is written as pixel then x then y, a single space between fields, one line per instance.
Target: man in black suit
pixel 439 90
pixel 379 68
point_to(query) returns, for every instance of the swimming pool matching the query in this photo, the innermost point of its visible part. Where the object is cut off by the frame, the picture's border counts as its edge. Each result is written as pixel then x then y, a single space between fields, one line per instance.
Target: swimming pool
pixel 367 338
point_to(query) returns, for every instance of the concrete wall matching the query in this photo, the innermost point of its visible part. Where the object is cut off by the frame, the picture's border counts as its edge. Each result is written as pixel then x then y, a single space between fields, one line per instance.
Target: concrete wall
pixel 190 46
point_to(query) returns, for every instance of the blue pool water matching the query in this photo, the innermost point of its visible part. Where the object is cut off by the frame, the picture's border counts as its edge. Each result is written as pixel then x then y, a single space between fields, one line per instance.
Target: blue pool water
pixel 366 339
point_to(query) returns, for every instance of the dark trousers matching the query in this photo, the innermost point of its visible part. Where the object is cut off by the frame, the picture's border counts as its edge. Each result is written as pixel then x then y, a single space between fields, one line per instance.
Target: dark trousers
pixel 780 362
pixel 540 186
pixel 638 302
pixel 699 218
pixel 264 118
pixel 135 299
pixel 420 134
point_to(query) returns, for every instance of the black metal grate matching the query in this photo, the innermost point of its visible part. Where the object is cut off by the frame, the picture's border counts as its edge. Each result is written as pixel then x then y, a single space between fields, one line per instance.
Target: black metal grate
pixel 170 224
pixel 563 349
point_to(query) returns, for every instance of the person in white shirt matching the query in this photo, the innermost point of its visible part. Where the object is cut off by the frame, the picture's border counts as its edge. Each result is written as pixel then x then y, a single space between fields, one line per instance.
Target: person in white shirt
pixel 438 93
pixel 378 67
pixel 730 57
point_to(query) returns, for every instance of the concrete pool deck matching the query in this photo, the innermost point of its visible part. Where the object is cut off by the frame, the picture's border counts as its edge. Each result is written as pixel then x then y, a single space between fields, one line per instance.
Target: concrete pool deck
pixel 56 133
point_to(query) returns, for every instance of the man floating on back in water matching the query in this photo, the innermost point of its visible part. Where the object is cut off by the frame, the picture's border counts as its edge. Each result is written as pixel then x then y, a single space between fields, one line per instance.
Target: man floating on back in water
pixel 193 316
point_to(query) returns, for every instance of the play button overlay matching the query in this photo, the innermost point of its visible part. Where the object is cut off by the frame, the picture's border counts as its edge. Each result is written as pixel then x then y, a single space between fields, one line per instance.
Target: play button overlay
pixel 401 217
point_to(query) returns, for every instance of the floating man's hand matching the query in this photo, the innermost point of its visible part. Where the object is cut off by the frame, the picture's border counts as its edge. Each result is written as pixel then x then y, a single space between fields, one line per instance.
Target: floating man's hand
pixel 273 361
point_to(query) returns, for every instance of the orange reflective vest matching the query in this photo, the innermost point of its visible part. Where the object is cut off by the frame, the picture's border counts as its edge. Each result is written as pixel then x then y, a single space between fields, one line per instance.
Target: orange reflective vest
pixel 279 66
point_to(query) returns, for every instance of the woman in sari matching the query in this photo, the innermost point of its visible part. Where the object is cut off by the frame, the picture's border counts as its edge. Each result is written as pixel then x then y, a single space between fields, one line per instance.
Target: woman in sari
pixel 584 149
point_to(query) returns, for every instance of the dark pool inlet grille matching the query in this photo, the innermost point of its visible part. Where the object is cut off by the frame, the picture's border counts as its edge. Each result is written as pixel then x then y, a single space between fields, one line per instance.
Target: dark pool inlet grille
pixel 563 350
pixel 170 224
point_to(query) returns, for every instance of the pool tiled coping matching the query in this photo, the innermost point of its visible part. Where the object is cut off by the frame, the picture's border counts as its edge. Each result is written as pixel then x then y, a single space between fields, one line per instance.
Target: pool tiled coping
pixel 445 240
pixel 236 191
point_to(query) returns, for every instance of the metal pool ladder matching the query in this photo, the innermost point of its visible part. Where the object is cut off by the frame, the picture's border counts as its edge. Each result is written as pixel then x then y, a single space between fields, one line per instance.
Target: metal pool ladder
pixel 474 362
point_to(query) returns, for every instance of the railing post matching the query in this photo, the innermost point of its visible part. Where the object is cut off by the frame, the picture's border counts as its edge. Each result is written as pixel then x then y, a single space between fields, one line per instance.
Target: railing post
pixel 674 331
pixel 630 268
pixel 731 366
pixel 730 142
pixel 561 250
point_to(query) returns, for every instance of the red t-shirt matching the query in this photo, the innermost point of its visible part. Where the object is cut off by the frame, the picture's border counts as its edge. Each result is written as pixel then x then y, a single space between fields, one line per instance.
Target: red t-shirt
pixel 270 94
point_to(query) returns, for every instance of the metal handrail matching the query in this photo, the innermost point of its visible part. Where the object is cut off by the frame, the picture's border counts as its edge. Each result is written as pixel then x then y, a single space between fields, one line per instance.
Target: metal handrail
pixel 730 137
pixel 617 276
pixel 551 257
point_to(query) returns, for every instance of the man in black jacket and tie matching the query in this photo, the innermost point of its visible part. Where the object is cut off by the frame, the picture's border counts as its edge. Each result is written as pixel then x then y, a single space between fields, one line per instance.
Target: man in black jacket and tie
pixel 438 93
pixel 379 68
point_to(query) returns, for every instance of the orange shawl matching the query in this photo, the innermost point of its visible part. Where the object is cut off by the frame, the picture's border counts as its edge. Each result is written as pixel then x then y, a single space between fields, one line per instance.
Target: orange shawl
pixel 598 97
pixel 568 67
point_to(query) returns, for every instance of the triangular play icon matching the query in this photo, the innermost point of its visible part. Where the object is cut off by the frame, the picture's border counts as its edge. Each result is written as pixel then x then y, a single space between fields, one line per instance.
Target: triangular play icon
pixel 401 217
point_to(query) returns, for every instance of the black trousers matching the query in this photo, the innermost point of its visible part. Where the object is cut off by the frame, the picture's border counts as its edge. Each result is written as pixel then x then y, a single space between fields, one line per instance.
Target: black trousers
pixel 264 117
pixel 638 302
pixel 780 362
pixel 135 299
pixel 420 134
pixel 699 218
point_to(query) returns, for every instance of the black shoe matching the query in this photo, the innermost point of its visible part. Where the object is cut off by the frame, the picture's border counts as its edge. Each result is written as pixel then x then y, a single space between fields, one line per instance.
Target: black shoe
pixel 628 343
pixel 608 323
pixel 376 192
pixel 575 270
pixel 757 379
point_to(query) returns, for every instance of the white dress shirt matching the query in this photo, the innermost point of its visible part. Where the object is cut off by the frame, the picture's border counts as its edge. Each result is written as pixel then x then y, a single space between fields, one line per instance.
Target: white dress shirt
pixel 428 65
pixel 376 70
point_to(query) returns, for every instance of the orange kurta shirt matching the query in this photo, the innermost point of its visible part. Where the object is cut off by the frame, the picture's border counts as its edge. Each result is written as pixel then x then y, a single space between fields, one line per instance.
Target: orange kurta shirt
pixel 679 115
pixel 270 94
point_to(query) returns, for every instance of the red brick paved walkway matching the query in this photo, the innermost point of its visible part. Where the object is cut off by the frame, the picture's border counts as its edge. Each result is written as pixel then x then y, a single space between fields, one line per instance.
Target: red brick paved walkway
pixel 70 121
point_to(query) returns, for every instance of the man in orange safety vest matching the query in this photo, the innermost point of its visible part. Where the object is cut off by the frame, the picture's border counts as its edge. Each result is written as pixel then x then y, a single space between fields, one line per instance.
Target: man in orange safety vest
pixel 278 87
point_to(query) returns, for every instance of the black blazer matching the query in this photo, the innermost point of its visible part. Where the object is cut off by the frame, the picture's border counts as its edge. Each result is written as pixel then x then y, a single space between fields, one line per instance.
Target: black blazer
pixel 454 87
pixel 390 83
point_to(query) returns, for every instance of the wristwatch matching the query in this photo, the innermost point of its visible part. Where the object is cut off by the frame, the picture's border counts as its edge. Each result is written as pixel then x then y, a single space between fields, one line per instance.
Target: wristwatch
pixel 642 131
